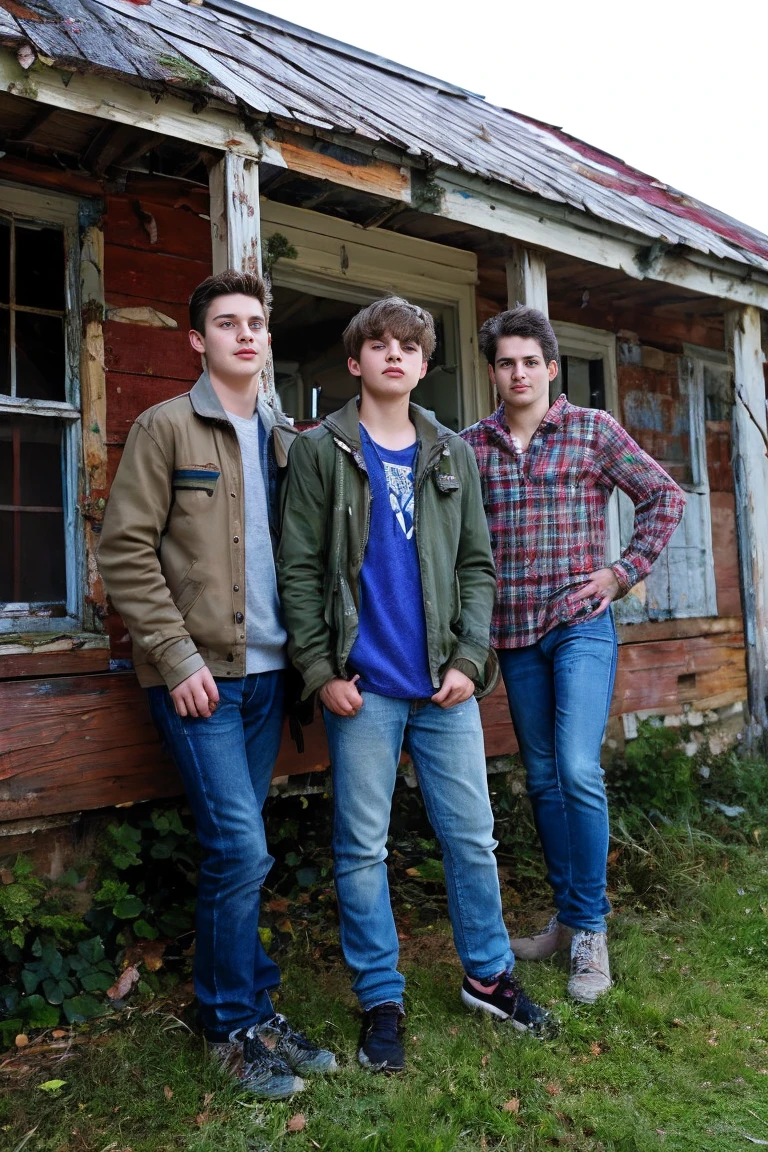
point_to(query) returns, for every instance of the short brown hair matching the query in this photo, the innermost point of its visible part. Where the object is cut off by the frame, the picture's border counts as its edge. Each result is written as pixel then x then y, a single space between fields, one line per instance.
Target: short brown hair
pixel 227 283
pixel 527 323
pixel 394 317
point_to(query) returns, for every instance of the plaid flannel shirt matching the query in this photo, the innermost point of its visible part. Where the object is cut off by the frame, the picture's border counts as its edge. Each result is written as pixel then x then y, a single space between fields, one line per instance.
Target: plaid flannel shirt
pixel 546 514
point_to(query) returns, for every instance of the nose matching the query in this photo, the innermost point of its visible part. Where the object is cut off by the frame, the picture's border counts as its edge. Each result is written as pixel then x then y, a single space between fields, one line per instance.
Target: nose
pixel 518 371
pixel 394 353
pixel 245 334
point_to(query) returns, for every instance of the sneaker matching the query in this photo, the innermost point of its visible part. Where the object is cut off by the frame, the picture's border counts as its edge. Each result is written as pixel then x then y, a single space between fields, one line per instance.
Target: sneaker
pixel 381 1045
pixel 298 1052
pixel 503 997
pixel 259 1071
pixel 554 938
pixel 590 970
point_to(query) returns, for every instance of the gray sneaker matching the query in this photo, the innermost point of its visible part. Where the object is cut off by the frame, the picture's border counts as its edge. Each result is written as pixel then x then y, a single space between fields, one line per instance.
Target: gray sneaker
pixel 259 1071
pixel 554 938
pixel 298 1052
pixel 590 970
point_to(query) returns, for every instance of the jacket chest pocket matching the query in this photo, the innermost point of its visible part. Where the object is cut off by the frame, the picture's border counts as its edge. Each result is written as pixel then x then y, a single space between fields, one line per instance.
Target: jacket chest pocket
pixel 193 487
pixel 566 470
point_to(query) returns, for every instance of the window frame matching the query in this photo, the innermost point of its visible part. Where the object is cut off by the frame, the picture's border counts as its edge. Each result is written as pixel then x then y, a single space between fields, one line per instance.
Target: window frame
pixel 59 211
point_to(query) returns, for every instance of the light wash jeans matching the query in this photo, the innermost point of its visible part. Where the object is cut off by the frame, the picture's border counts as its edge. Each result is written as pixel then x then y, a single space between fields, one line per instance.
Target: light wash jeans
pixel 559 693
pixel 448 754
pixel 226 764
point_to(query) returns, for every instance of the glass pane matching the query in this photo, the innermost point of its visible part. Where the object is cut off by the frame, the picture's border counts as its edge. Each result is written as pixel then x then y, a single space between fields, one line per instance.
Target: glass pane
pixel 43 564
pixel 40 371
pixel 40 471
pixel 6 557
pixel 5 353
pixel 39 267
pixel 6 461
pixel 5 259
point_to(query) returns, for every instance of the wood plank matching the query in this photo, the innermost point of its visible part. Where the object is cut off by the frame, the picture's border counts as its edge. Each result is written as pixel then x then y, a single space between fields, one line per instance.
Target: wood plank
pixel 86 742
pixel 350 169
pixel 657 630
pixel 129 396
pixel 527 279
pixel 141 350
pixel 180 230
pixel 156 280
pixel 750 468
pixel 726 554
pixel 37 663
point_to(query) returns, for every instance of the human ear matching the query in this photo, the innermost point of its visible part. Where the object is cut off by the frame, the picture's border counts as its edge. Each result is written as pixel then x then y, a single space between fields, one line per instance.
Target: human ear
pixel 424 366
pixel 197 341
pixel 553 370
pixel 354 367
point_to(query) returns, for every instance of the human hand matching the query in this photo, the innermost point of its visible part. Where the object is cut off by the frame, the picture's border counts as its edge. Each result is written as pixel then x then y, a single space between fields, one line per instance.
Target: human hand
pixel 341 696
pixel 455 689
pixel 196 696
pixel 602 583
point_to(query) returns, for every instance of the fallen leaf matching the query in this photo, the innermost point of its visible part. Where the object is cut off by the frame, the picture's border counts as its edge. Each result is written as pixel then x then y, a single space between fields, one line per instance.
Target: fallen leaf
pixel 207 1099
pixel 6 876
pixel 595 1048
pixel 553 1088
pixel 22 1040
pixel 297 1123
pixel 278 905
pixel 52 1085
pixel 677 1023
pixel 59 1033
pixel 167 1092
pixel 201 1119
pixel 512 1105
pixel 484 1061
pixel 124 983
pixel 146 952
pixel 453 1031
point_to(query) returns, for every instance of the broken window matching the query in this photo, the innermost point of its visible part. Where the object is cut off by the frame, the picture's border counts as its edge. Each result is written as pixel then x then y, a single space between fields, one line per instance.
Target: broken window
pixel 39 422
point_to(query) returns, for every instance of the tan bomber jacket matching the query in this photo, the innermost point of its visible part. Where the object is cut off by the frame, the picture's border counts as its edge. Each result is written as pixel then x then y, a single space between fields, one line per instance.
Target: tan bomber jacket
pixel 172 548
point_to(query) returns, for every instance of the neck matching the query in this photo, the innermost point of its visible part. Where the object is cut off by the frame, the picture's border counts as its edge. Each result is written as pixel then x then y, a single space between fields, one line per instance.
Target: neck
pixel 523 422
pixel 388 422
pixel 238 396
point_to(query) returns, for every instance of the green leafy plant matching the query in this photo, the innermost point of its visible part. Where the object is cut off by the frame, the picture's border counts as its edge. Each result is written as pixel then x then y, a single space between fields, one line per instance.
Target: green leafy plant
pixel 656 773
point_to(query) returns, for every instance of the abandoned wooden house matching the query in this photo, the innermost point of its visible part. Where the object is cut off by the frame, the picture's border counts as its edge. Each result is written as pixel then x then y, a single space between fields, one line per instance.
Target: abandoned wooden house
pixel 146 144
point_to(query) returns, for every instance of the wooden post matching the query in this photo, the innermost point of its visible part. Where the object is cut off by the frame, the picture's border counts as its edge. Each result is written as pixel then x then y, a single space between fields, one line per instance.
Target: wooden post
pixel 527 279
pixel 236 228
pixel 93 398
pixel 750 469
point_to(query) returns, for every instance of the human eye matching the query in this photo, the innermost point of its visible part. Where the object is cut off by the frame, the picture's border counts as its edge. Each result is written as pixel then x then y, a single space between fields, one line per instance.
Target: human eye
pixel 256 323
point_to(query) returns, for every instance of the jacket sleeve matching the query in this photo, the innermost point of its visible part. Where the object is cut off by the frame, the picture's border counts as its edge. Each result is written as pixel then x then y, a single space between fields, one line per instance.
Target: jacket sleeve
pixel 476 574
pixel 659 502
pixel 134 520
pixel 301 566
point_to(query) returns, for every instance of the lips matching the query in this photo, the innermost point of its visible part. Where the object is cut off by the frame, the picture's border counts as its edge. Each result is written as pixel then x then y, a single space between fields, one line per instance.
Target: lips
pixel 394 372
pixel 247 353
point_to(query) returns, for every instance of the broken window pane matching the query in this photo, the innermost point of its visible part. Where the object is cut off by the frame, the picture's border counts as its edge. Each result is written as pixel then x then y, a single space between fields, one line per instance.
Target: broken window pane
pixel 39 267
pixel 40 357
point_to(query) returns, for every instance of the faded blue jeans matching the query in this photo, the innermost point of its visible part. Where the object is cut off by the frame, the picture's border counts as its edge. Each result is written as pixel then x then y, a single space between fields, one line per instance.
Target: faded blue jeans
pixel 226 764
pixel 559 693
pixel 448 754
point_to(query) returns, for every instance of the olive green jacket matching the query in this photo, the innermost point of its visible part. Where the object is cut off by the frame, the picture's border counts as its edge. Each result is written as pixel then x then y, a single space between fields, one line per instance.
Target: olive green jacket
pixel 172 549
pixel 326 518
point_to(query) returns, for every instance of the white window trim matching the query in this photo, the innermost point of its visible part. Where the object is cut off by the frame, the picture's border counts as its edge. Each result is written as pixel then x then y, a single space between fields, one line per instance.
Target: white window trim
pixel 347 259
pixel 61 211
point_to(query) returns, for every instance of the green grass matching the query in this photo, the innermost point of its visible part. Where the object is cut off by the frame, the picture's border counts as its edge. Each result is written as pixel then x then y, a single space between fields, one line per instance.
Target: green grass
pixel 674 1057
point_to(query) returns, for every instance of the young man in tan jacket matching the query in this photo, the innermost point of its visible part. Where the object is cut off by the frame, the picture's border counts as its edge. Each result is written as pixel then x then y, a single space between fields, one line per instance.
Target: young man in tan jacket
pixel 186 554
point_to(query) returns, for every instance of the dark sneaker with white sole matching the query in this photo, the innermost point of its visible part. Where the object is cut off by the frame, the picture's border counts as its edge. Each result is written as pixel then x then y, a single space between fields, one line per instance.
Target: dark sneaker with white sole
pixel 298 1052
pixel 260 1072
pixel 381 1039
pixel 503 997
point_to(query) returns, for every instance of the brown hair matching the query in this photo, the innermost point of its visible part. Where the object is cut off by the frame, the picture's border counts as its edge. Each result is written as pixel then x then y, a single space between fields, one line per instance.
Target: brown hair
pixel 527 323
pixel 226 283
pixel 394 317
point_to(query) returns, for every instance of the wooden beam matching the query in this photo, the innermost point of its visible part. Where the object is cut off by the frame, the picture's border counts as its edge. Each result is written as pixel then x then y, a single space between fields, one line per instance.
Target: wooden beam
pixel 93 398
pixel 527 279
pixel 750 469
pixel 560 228
pixel 106 99
pixel 342 165
pixel 235 225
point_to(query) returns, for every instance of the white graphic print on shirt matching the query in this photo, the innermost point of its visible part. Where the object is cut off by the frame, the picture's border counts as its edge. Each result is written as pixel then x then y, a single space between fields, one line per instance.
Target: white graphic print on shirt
pixel 399 479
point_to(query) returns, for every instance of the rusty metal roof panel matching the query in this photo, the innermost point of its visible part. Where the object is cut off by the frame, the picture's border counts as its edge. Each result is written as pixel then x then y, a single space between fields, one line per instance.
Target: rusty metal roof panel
pixel 225 49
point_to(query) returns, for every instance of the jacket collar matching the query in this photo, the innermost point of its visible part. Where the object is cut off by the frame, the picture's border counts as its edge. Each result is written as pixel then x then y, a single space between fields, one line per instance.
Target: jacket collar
pixel 346 424
pixel 206 403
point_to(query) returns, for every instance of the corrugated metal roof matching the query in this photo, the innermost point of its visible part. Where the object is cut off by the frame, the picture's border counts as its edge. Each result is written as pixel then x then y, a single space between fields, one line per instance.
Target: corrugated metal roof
pixel 274 68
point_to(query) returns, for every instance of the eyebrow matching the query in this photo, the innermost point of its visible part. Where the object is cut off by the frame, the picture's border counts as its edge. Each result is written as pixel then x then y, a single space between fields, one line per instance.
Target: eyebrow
pixel 233 316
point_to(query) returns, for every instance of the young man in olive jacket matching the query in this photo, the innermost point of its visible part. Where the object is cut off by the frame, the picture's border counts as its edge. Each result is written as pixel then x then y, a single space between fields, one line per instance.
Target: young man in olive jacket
pixel 387 584
pixel 187 557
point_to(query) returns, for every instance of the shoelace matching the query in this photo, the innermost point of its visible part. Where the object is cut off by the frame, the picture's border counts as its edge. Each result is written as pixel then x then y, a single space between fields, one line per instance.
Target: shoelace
pixel 583 960
pixel 279 1024
pixel 260 1057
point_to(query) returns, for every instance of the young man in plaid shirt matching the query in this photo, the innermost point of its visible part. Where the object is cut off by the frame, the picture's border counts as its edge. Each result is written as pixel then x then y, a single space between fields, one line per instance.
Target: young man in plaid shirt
pixel 547 473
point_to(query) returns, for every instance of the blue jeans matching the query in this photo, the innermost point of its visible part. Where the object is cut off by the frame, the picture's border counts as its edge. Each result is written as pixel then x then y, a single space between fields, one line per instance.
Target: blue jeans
pixel 559 693
pixel 226 764
pixel 446 746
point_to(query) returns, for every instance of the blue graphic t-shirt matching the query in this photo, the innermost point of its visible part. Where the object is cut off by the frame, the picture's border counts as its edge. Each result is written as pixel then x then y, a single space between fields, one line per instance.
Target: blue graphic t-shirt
pixel 390 652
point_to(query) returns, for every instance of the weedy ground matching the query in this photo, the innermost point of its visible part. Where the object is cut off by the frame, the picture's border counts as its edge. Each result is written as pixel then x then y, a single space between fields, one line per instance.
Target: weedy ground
pixel 674 1057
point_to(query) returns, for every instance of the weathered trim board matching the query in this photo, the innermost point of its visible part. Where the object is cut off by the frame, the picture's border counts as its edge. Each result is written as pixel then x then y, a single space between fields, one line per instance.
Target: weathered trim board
pixel 85 742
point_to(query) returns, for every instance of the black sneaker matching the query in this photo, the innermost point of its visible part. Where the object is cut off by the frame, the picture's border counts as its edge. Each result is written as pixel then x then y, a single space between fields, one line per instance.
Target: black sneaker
pixel 506 1000
pixel 259 1071
pixel 294 1047
pixel 381 1046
